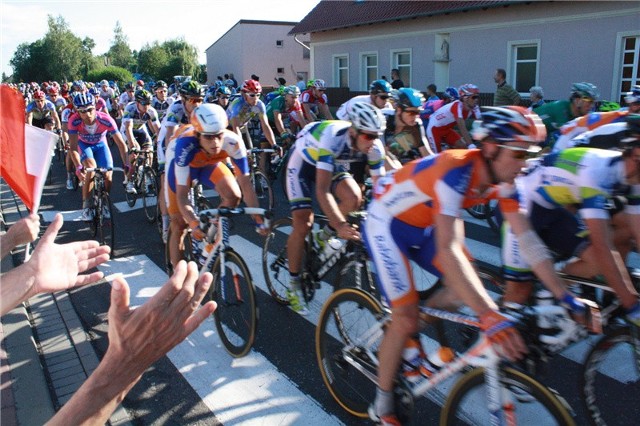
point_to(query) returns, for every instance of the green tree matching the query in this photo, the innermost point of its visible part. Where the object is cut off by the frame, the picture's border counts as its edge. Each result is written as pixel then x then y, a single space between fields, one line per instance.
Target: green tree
pixel 119 53
pixel 183 59
pixel 118 74
pixel 66 54
pixel 152 60
pixel 27 62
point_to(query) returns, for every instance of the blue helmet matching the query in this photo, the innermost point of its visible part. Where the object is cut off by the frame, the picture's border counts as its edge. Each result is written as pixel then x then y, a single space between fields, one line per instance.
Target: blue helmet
pixel 407 97
pixel 83 99
pixel 380 86
pixel 223 90
pixel 451 93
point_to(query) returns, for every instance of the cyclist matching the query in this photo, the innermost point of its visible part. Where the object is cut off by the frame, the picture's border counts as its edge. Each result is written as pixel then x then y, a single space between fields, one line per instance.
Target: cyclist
pixel 315 103
pixel 379 93
pixel 404 135
pixel 585 123
pixel 160 101
pixel 584 179
pixel 101 105
pixel 321 157
pixel 441 123
pixel 126 97
pixel 415 215
pixel 107 94
pixel 42 112
pixel 450 94
pixel 58 101
pixel 64 121
pixel 632 99
pixel 191 95
pixel 285 113
pixel 200 151
pixel 88 146
pixel 555 114
pixel 222 93
pixel 135 119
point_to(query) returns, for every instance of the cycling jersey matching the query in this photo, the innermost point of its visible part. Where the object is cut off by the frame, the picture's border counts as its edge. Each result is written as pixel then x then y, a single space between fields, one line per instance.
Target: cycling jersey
pixel 240 109
pixel 92 142
pixel 101 105
pixel 407 143
pixel 139 120
pixel 554 115
pixel 41 114
pixel 278 104
pixel 401 217
pixel 66 113
pixel 187 161
pixel 441 123
pixel 307 97
pixel 325 145
pixel 175 116
pixel 343 111
pixel 583 124
pixel 126 98
pixel 59 103
pixel 162 107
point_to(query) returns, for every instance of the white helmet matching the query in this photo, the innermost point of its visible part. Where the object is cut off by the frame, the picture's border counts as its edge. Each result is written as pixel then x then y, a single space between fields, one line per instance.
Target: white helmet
pixel 209 119
pixel 367 118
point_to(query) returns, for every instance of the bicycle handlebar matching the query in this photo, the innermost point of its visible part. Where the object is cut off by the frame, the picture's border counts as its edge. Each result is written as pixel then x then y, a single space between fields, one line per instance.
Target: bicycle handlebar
pixel 207 215
pixel 98 169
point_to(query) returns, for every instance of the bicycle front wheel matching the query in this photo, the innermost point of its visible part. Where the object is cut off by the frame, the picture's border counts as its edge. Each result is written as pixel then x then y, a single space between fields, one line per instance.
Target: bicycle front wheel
pixel 530 403
pixel 275 262
pixel 611 379
pixel 105 224
pixel 349 327
pixel 356 270
pixel 264 192
pixel 149 194
pixel 236 317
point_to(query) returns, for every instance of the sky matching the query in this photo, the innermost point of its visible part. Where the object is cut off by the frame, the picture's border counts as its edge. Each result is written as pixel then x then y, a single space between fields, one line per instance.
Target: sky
pixel 199 22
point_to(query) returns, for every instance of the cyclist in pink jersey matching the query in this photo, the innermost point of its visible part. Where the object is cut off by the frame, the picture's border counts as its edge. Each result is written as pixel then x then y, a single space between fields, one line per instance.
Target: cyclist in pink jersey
pixel 87 138
pixel 442 122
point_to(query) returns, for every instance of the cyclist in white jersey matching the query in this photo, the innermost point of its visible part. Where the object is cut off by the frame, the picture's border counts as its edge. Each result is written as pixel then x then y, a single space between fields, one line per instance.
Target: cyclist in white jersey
pixel 160 101
pixel 379 93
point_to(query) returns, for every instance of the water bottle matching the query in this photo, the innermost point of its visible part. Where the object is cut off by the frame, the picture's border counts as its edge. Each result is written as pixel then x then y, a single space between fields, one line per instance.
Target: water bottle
pixel 544 298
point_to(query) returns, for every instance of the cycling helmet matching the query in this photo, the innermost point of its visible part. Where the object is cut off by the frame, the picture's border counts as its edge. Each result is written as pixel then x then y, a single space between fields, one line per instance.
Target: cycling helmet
pixel 191 88
pixel 451 93
pixel 38 94
pixel 82 99
pixel 143 96
pixel 407 97
pixel 94 91
pixel 228 82
pixel 634 95
pixel 209 119
pixel 379 86
pixel 251 86
pixel 319 83
pixel 129 86
pixel 509 124
pixel 606 106
pixel 291 90
pixel 78 86
pixel 585 89
pixel 310 83
pixel 468 90
pixel 140 83
pixel 160 84
pixel 52 90
pixel 223 90
pixel 104 83
pixel 365 117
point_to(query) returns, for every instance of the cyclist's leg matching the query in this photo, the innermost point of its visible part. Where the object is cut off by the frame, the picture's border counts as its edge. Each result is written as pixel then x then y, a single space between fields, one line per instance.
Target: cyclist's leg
pixel 517 273
pixel 102 155
pixel 218 176
pixel 300 178
pixel 88 160
pixel 177 222
pixel 348 193
pixel 162 202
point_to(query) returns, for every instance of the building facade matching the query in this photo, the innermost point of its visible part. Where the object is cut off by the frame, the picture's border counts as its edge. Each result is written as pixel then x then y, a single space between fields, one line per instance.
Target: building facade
pixel 538 43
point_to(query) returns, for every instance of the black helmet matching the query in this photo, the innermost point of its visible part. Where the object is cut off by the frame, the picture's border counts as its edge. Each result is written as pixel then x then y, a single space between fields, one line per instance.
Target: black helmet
pixel 143 96
pixel 160 84
pixel 191 88
pixel 129 86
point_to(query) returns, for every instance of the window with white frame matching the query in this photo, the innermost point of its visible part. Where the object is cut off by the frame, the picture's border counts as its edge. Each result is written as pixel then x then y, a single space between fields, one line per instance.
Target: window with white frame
pixel 401 59
pixel 341 70
pixel 629 64
pixel 369 64
pixel 524 60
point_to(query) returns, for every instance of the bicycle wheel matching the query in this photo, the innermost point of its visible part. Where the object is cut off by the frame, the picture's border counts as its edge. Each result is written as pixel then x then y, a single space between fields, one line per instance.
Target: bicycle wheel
pixel 283 173
pixel 236 317
pixel 264 192
pixel 356 270
pixel 186 248
pixel 105 226
pixel 131 198
pixel 275 263
pixel 347 316
pixel 149 194
pixel 611 379
pixel 531 402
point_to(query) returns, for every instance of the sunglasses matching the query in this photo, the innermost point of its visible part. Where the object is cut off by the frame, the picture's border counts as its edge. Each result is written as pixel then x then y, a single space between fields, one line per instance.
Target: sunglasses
pixel 385 97
pixel 210 136
pixel 322 90
pixel 144 103
pixel 519 153
pixel 253 95
pixel 223 97
pixel 475 97
pixel 85 110
pixel 195 100
pixel 368 136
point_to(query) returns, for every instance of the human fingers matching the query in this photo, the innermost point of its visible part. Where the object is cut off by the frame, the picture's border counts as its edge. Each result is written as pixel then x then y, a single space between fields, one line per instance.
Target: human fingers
pixel 92 262
pixel 88 278
pixel 198 317
pixel 52 230
pixel 202 288
pixel 172 287
pixel 120 294
pixel 181 306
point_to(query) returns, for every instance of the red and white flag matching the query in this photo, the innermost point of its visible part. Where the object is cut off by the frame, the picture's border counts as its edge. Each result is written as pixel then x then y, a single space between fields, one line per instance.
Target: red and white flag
pixel 25 151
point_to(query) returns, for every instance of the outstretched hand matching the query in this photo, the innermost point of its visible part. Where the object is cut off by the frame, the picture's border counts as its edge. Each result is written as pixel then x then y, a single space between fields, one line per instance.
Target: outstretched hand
pixel 57 267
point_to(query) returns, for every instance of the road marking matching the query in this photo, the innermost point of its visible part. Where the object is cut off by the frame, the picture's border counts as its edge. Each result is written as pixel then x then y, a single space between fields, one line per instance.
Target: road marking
pixel 248 390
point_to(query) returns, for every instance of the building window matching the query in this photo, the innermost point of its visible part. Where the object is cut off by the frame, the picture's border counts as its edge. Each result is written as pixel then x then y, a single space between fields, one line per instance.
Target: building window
pixel 401 59
pixel 280 70
pixel 629 65
pixel 369 64
pixel 340 71
pixel 279 43
pixel 524 57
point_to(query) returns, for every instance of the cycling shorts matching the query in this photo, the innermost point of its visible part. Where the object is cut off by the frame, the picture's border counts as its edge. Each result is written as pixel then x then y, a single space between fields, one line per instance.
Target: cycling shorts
pixel 209 176
pixel 392 244
pixel 301 178
pixel 561 231
pixel 437 135
pixel 99 152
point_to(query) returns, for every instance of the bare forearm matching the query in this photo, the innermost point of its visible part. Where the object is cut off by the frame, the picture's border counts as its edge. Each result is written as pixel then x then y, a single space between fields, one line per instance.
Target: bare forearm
pixel 17 286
